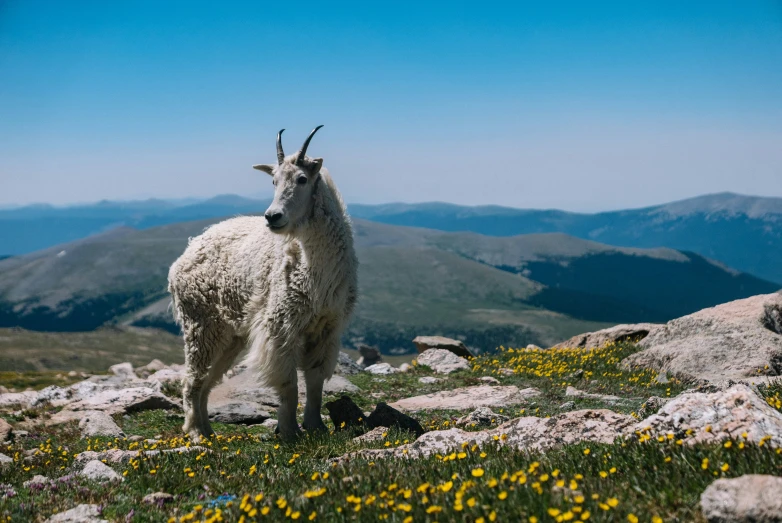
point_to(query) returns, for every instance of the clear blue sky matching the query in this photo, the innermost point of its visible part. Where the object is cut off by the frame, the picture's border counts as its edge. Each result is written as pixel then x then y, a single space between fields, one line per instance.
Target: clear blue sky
pixel 574 105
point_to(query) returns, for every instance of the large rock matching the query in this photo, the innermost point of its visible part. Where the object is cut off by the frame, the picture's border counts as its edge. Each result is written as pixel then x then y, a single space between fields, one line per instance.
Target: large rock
pixel 442 361
pixel 98 423
pixel 753 498
pixel 528 433
pixel 96 470
pixel 78 514
pixel 346 366
pixel 619 333
pixel 239 413
pixel 467 398
pixel 17 399
pixel 124 401
pixel 734 340
pixel 424 343
pixel 717 416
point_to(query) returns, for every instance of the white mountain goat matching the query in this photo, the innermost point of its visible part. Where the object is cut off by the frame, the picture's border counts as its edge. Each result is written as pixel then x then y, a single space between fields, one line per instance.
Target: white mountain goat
pixel 284 284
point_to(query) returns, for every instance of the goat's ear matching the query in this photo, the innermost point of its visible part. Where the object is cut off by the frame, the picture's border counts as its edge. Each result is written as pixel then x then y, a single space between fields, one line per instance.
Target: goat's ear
pixel 315 165
pixel 268 169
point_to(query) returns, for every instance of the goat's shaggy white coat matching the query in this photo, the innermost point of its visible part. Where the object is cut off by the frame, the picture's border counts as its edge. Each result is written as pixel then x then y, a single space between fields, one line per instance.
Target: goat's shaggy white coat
pixel 287 295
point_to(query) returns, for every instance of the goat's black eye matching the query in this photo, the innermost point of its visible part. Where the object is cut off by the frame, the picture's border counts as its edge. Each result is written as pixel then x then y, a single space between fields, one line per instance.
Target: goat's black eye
pixel 301 180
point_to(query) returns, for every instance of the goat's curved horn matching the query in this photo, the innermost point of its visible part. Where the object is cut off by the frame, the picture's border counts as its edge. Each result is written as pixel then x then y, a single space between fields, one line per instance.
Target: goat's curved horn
pixel 303 150
pixel 280 152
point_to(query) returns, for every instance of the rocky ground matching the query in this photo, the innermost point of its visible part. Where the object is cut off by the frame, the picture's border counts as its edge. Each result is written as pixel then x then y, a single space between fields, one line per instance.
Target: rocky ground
pixel 676 422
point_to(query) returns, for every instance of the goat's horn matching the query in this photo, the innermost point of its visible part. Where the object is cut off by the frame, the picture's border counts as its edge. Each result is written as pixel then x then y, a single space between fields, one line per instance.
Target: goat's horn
pixel 280 152
pixel 303 150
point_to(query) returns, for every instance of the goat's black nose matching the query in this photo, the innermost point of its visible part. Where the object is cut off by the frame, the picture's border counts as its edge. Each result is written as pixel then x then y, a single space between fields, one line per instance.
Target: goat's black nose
pixel 273 217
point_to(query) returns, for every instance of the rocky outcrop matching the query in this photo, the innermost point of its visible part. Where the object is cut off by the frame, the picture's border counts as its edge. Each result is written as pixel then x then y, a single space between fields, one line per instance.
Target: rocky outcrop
pixel 619 333
pixel 424 343
pixel 740 339
pixel 442 361
pixel 753 498
pixel 697 417
pixel 467 398
pixel 528 433
pixel 124 401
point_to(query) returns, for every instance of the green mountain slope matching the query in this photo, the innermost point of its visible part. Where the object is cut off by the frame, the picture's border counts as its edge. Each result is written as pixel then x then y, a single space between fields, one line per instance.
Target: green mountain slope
pixel 537 288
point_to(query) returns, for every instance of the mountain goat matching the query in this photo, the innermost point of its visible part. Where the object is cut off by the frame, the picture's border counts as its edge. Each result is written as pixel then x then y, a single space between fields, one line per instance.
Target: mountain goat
pixel 283 285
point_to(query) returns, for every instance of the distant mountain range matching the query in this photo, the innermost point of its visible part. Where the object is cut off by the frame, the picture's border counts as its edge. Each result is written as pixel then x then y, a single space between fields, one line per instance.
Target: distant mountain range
pixel 488 290
pixel 743 232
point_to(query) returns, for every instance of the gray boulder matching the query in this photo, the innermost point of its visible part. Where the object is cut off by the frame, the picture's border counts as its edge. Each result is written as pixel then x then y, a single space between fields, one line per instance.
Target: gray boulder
pixel 346 366
pixel 96 470
pixel 752 498
pixel 424 343
pixel 381 368
pixel 238 413
pixel 737 340
pixel 98 423
pixel 442 361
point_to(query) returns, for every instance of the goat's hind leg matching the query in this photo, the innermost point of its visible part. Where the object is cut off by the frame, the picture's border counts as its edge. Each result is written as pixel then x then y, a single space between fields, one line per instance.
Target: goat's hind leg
pixel 218 368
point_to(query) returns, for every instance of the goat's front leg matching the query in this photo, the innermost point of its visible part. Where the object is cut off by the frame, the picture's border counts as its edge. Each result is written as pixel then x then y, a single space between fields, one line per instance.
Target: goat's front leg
pixel 314 379
pixel 286 412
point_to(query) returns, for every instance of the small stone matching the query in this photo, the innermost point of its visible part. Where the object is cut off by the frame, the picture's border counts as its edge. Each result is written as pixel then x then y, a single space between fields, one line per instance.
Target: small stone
pixel 73 374
pixel 346 366
pixel 270 424
pixel 158 498
pixel 381 369
pixel 150 368
pixel 428 380
pixel 97 423
pixel 425 343
pixel 386 416
pixel 662 378
pixel 135 438
pixel 575 393
pixel 489 379
pixel 568 405
pixel 532 346
pixel 442 361
pixel 481 417
pixel 98 471
pixel 19 434
pixel 373 435
pixel 575 376
pixel 753 498
pixel 405 367
pixel 79 514
pixel 506 372
pixel 5 460
pixel 124 370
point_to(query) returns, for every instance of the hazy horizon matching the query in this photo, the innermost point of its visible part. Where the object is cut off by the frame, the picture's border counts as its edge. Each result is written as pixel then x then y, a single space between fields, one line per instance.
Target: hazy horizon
pixel 580 107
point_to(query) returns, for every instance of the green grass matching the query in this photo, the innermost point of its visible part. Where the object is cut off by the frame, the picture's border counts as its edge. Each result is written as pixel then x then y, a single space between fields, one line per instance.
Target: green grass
pixel 292 481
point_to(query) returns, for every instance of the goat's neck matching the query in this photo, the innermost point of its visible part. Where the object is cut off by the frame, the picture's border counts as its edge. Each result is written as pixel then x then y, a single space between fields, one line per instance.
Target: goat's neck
pixel 327 241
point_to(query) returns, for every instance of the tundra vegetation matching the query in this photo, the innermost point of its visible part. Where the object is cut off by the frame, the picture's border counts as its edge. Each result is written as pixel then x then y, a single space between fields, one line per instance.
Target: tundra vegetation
pixel 248 474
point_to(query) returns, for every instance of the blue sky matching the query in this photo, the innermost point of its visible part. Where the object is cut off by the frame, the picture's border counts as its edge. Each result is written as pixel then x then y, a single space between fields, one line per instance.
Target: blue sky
pixel 574 105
